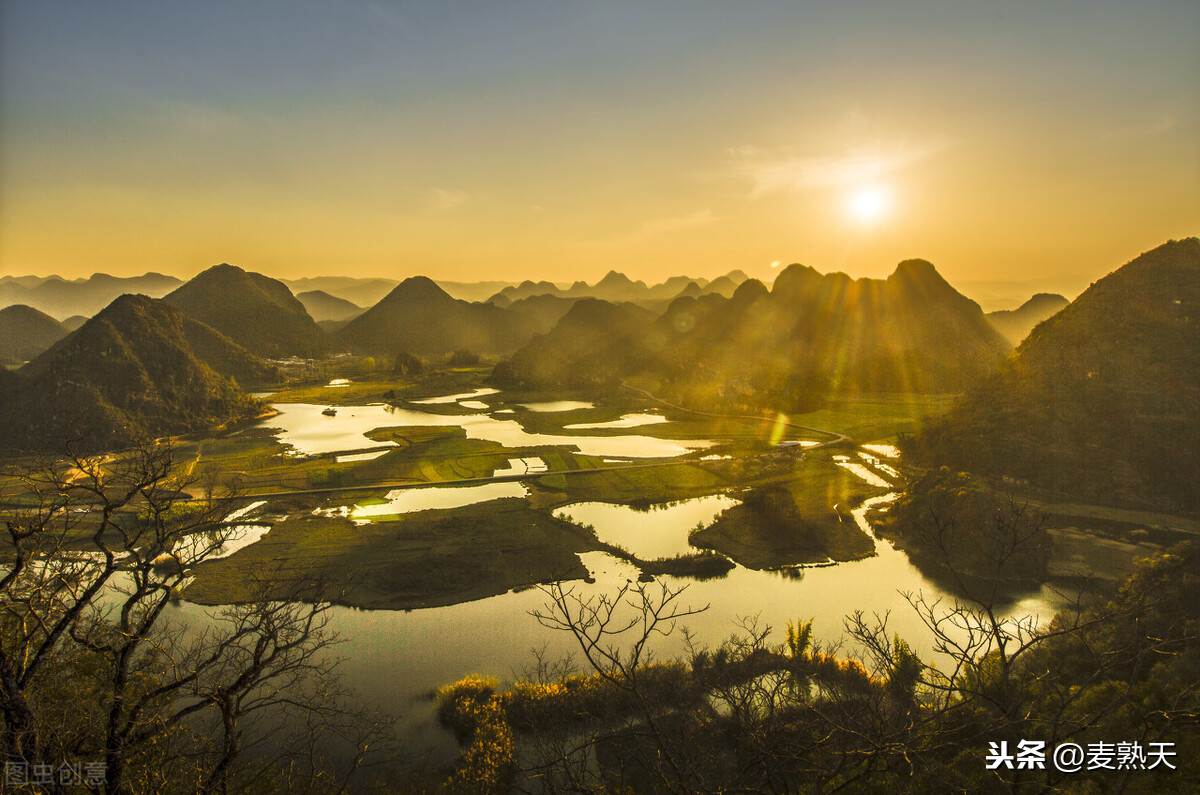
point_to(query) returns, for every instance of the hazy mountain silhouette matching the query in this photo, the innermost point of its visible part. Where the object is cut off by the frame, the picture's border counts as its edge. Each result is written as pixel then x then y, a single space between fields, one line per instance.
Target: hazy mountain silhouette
pixel 812 334
pixel 542 311
pixel 1102 400
pixel 594 344
pixel 129 373
pixel 616 287
pixel 526 289
pixel 722 285
pixel 358 291
pixel 421 318
pixel 320 305
pixel 255 311
pixel 25 332
pixel 61 298
pixel 1015 324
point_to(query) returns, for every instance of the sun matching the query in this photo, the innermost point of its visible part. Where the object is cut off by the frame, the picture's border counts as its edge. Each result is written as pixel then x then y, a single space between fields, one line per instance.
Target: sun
pixel 869 204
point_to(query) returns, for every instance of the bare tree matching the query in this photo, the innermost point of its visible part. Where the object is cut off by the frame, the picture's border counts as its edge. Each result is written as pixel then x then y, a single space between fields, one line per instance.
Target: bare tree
pixel 91 667
pixel 755 716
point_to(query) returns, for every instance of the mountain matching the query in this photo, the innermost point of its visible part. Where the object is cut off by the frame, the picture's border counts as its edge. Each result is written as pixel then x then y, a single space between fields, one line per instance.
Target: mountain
pixel 320 305
pixel 421 318
pixel 472 291
pixel 25 332
pixel 526 289
pixel 671 287
pixel 1101 401
pixel 616 287
pixel 61 298
pixel 128 374
pixel 812 334
pixel 722 285
pixel 255 311
pixel 358 291
pixel 27 281
pixel 227 357
pixel 594 344
pixel 542 311
pixel 1015 324
pixel 10 381
pixel 368 292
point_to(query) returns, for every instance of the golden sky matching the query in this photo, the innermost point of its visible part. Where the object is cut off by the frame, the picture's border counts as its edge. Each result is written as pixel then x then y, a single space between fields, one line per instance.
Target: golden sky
pixel 1028 141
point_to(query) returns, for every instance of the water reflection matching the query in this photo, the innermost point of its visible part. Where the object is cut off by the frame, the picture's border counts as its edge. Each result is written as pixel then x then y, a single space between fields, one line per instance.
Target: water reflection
pixel 394 658
pixel 307 431
pixel 353 457
pixel 558 405
pixel 303 427
pixel 660 532
pixel 475 393
pixel 522 466
pixel 886 450
pixel 410 500
pixel 861 472
pixel 627 421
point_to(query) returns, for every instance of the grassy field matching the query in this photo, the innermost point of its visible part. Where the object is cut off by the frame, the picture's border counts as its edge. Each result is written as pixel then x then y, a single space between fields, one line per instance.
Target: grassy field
pixel 375 388
pixel 876 418
pixel 442 557
pixel 808 521
pixel 646 486
pixel 420 560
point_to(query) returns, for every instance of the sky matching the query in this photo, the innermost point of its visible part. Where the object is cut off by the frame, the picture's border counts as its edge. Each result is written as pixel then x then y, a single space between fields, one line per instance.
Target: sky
pixel 1042 142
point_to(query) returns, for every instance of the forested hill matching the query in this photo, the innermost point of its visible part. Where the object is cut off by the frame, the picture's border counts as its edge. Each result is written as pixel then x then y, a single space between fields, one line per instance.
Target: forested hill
pixel 811 335
pixel 421 318
pixel 255 311
pixel 1102 400
pixel 128 374
pixel 594 344
pixel 25 332
pixel 1015 324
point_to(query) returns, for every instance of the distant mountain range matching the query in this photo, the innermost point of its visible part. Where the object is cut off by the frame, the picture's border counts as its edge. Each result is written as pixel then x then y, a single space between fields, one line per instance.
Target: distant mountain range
pixel 361 292
pixel 320 305
pixel 617 287
pixel 255 311
pixel 1015 324
pixel 1102 400
pixel 61 298
pixel 25 332
pixel 137 370
pixel 78 298
pixel 810 335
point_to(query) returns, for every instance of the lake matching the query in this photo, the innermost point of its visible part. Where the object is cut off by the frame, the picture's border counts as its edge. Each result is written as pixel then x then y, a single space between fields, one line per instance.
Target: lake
pixel 394 659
